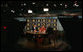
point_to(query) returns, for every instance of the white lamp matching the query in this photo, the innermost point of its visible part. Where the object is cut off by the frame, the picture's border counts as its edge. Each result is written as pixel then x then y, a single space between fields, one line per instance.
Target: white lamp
pixel 46 9
pixel 29 11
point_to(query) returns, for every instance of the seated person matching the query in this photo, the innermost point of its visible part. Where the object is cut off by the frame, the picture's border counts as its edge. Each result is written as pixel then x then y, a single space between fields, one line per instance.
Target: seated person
pixel 35 28
pixel 42 29
pixel 49 30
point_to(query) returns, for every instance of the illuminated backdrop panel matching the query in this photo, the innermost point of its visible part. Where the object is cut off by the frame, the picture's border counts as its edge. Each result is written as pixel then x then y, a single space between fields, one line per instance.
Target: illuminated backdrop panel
pixel 39 21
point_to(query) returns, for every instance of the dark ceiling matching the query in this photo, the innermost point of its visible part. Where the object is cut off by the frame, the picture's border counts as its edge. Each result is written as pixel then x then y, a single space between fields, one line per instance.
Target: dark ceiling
pixel 21 7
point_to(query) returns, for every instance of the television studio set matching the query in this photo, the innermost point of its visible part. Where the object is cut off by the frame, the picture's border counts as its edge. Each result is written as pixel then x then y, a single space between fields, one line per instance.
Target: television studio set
pixel 41 25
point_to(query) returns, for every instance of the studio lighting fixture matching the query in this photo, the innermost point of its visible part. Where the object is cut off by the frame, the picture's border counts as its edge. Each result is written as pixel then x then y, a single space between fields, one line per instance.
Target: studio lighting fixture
pixel 45 9
pixel 29 11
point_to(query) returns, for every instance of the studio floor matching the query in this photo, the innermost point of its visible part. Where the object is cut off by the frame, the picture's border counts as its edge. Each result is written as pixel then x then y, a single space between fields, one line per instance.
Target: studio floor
pixel 57 45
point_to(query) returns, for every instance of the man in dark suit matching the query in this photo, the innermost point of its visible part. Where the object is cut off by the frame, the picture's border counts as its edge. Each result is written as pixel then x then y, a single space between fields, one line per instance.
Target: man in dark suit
pixel 49 30
pixel 35 28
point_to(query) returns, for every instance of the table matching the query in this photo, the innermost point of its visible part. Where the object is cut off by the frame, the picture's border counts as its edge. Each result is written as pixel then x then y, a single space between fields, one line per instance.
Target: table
pixel 39 37
pixel 35 32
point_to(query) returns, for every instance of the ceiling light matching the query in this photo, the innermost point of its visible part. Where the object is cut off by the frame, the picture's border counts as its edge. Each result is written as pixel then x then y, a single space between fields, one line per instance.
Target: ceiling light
pixel 55 5
pixel 12 11
pixel 24 4
pixel 65 6
pixel 45 9
pixel 29 11
pixel 61 4
pixel 46 4
pixel 76 5
pixel 33 3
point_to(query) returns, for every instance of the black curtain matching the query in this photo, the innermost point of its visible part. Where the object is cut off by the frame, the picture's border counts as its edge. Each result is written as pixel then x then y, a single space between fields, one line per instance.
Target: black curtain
pixel 73 32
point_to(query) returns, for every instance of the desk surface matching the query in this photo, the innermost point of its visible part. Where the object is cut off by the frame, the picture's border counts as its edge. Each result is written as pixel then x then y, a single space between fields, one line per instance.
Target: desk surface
pixel 34 32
